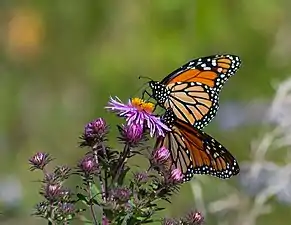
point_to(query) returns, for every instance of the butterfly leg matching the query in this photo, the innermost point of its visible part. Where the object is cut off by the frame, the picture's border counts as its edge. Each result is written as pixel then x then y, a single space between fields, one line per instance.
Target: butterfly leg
pixel 150 96
pixel 145 92
pixel 155 107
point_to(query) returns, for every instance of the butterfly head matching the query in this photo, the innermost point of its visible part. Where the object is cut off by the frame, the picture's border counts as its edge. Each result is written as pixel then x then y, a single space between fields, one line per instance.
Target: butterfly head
pixel 159 91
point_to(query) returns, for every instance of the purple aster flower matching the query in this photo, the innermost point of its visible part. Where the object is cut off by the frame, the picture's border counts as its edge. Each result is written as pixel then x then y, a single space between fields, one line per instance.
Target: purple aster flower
pixel 137 111
pixel 39 160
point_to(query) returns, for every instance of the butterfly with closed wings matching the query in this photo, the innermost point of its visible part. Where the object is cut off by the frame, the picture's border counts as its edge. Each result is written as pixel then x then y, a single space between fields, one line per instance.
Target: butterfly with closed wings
pixel 193 151
pixel 192 91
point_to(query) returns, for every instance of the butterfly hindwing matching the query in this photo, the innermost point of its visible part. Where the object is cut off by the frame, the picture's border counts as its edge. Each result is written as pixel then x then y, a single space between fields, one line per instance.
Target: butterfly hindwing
pixel 195 152
pixel 208 155
pixel 197 104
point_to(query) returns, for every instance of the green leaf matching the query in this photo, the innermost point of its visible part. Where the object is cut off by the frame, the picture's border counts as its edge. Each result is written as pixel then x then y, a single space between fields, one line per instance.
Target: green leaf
pixel 96 193
pixel 83 198
pixel 126 218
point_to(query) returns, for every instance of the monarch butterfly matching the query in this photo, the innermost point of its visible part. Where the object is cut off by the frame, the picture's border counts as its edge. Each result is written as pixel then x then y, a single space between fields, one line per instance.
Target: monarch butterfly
pixel 192 91
pixel 195 152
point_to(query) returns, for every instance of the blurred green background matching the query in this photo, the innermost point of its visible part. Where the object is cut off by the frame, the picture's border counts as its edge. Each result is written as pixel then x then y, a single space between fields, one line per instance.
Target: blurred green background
pixel 60 60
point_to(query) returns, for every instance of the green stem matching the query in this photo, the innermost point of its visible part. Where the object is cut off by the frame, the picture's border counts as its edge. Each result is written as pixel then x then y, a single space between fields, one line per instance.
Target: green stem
pixel 89 184
pixel 103 187
pixel 121 161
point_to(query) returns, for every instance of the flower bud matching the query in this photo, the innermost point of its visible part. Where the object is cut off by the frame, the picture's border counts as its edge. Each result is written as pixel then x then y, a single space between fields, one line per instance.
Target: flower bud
pixel 39 160
pixel 66 208
pixel 62 172
pixel 121 194
pixel 52 191
pixel 88 165
pixel 160 155
pixel 94 132
pixel 194 218
pixel 141 177
pixel 131 133
pixel 176 176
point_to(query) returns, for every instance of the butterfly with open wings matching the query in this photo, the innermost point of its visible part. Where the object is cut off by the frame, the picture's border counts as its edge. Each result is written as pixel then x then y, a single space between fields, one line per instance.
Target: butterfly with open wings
pixel 190 96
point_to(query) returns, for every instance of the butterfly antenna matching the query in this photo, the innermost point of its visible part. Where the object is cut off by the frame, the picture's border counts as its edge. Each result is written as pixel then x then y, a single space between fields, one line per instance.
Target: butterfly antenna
pixel 147 78
pixel 144 77
pixel 140 88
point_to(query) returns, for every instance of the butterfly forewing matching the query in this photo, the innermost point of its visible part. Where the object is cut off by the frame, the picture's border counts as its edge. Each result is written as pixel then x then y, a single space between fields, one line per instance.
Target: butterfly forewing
pixel 192 91
pixel 212 71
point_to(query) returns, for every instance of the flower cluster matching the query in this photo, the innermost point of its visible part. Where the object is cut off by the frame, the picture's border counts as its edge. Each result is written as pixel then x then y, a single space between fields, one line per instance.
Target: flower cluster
pixel 108 184
pixel 58 200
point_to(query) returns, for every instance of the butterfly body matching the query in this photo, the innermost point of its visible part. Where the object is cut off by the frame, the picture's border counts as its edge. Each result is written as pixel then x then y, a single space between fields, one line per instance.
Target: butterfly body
pixel 195 152
pixel 159 92
pixel 192 90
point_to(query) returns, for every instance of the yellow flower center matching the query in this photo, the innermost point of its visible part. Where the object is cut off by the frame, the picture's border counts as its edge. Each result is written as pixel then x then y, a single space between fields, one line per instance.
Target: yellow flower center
pixel 140 104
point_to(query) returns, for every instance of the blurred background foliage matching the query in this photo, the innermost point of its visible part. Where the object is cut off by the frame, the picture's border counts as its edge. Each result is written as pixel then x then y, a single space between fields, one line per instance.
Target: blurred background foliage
pixel 60 60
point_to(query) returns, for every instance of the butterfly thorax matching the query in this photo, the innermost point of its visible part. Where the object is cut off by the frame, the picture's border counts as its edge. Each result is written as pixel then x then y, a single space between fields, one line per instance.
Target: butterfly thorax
pixel 159 92
pixel 169 118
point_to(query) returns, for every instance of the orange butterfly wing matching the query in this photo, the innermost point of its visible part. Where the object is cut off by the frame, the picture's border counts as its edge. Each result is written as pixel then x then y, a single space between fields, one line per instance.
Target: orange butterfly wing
pixel 212 71
pixel 192 91
pixel 193 103
pixel 195 152
pixel 208 155
pixel 195 75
